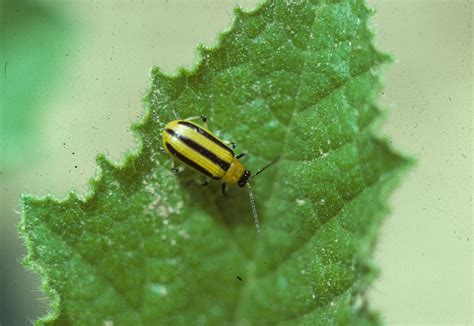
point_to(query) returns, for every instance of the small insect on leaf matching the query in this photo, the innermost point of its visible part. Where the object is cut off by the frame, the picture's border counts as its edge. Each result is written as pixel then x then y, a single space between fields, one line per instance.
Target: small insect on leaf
pixel 199 149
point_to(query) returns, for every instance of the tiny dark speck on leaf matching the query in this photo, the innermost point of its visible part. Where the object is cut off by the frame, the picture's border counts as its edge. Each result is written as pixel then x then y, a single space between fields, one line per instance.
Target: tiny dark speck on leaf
pixel 239 278
pixel 75 166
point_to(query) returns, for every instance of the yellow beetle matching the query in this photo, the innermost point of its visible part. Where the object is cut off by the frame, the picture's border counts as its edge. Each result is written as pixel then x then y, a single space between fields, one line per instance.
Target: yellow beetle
pixel 200 149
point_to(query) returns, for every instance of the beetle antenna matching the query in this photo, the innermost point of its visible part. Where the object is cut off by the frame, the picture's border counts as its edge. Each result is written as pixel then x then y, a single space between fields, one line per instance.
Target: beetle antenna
pixel 266 166
pixel 254 209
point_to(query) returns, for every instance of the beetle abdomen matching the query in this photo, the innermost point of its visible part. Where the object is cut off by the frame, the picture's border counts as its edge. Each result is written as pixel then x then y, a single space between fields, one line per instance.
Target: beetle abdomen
pixel 198 148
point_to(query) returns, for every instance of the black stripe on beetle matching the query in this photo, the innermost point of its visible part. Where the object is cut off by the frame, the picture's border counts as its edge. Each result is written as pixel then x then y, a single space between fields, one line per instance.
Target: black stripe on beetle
pixel 207 135
pixel 186 160
pixel 201 150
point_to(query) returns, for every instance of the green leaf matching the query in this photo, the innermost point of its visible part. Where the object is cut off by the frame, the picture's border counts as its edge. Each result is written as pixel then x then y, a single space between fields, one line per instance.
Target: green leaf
pixel 290 79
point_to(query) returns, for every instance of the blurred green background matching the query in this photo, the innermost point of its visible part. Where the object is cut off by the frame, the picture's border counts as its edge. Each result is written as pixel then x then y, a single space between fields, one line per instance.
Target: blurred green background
pixel 71 81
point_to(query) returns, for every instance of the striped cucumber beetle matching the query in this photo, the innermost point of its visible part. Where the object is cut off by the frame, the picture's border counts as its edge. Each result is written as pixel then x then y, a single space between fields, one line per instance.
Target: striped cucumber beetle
pixel 199 149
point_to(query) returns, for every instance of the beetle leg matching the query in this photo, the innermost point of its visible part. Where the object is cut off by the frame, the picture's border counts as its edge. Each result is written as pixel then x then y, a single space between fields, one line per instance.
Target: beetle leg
pixel 177 169
pixel 230 143
pixel 223 187
pixel 205 182
pixel 241 155
pixel 203 119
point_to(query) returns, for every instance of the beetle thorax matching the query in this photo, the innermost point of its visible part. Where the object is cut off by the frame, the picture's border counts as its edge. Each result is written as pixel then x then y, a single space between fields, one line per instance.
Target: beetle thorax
pixel 234 173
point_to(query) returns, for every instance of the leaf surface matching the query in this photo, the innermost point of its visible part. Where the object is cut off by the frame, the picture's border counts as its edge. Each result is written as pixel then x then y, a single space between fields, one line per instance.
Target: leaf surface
pixel 290 79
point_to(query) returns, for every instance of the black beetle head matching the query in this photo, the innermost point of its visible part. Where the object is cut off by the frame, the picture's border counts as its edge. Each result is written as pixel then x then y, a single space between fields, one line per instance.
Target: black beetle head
pixel 244 178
